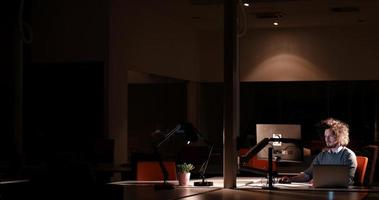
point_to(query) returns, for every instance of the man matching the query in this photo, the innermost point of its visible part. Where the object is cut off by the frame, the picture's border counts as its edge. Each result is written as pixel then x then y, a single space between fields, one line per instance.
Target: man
pixel 336 136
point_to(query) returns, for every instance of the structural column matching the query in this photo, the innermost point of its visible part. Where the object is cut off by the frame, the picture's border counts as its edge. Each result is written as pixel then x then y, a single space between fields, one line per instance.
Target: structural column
pixel 231 93
pixel 118 84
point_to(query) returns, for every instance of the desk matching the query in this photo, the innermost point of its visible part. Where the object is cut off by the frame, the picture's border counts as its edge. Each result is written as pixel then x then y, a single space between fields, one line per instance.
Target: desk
pixel 13 181
pixel 246 189
pixel 14 188
pixel 282 195
pixel 124 190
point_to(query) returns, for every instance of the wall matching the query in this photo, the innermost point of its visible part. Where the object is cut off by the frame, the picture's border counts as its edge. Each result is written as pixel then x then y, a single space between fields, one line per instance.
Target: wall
pixel 64 76
pixel 342 53
pixel 69 31
pixel 157 39
pixel 150 36
pixel 145 36
pixel 211 53
pixel 319 53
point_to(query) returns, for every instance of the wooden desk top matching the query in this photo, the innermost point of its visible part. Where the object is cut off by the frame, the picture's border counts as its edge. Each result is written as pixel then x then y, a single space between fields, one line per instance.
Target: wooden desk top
pixel 145 190
pixel 281 195
pixel 13 181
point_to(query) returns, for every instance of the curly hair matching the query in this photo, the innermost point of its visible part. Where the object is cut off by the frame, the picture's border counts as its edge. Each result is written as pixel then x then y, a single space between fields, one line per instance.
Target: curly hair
pixel 339 128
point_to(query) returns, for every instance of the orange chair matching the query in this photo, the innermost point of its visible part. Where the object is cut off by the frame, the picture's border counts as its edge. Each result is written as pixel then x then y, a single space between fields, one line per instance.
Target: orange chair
pixel 256 163
pixel 151 171
pixel 361 169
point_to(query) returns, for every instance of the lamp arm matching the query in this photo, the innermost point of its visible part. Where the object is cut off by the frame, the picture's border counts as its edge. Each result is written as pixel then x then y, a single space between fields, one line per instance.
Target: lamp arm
pixel 161 165
pixel 168 136
pixel 254 150
pixel 258 147
pixel 205 164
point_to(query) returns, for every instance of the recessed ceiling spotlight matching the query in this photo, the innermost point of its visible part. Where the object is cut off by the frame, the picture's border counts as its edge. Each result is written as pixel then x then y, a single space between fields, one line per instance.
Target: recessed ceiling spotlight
pixel 276 24
pixel 246 4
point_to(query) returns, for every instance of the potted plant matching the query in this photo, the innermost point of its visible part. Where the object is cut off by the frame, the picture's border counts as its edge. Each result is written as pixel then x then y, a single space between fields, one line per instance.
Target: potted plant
pixel 184 173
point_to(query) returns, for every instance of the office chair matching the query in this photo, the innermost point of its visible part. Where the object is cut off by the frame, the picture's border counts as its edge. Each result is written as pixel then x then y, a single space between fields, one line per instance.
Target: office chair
pixel 371 151
pixel 151 171
pixel 361 170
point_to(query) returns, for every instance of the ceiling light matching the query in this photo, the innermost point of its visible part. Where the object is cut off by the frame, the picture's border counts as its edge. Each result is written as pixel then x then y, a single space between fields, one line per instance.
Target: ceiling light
pixel 275 23
pixel 246 4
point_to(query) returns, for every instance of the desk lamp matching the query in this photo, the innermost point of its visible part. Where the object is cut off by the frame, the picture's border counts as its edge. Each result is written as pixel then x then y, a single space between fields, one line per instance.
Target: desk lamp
pixel 244 159
pixel 195 132
pixel 190 134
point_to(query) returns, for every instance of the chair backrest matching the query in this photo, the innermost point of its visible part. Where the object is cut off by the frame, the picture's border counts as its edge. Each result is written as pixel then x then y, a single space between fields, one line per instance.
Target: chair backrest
pixel 307 152
pixel 151 171
pixel 361 169
pixel 371 151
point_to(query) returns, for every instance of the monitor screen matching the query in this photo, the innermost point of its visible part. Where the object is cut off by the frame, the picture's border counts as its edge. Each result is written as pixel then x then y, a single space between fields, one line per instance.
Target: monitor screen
pixel 284 151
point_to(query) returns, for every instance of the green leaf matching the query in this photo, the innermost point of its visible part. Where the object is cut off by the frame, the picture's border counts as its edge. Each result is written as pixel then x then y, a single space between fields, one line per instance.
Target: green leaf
pixel 185 167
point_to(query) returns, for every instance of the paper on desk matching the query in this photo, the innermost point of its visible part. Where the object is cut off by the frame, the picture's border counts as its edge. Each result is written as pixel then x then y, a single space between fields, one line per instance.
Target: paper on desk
pixel 294 185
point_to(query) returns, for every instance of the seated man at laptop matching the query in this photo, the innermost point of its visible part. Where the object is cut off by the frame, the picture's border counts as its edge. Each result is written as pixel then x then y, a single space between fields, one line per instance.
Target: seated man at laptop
pixel 336 137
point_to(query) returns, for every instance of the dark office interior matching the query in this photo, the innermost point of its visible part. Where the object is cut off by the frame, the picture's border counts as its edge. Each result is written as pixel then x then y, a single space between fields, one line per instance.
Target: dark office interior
pixel 86 83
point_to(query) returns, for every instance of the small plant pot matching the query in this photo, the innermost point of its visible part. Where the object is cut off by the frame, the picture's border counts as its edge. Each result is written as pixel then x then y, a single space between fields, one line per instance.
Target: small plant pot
pixel 184 178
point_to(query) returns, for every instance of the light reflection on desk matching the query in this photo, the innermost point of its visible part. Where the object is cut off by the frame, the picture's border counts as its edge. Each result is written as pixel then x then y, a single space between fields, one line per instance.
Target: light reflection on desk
pixel 255 182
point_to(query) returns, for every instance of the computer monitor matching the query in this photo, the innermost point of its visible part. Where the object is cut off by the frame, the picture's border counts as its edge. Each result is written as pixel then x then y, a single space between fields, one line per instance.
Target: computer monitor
pixel 284 151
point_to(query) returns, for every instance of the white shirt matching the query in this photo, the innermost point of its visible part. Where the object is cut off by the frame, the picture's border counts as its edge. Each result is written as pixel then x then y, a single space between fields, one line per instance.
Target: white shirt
pixel 335 150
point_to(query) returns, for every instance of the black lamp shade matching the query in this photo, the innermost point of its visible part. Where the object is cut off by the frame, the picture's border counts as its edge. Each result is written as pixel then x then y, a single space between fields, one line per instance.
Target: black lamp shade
pixel 191 134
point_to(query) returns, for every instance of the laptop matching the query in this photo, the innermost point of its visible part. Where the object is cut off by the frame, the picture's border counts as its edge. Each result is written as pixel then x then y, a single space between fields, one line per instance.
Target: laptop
pixel 332 176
